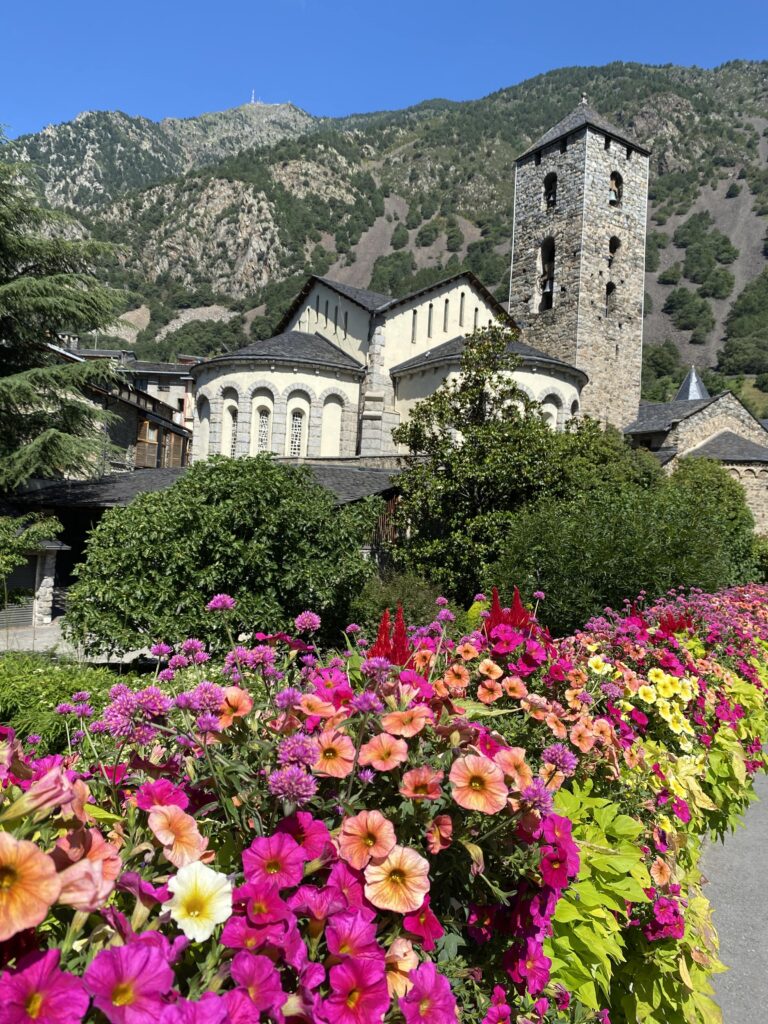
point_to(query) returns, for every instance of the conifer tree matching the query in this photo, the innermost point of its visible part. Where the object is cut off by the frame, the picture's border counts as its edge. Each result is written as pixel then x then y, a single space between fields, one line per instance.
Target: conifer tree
pixel 48 425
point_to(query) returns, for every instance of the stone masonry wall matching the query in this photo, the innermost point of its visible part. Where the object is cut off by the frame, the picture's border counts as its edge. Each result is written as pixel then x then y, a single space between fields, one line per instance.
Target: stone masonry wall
pixel 606 344
pixel 727 413
pixel 753 477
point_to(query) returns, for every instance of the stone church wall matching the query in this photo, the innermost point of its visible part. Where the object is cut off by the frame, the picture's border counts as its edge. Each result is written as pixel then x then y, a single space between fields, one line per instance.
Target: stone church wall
pixel 727 413
pixel 753 477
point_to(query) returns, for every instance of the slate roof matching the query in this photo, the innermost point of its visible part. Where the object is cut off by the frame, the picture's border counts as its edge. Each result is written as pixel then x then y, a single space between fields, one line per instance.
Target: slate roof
pixel 142 366
pixel 296 347
pixel 578 118
pixel 347 482
pixel 729 447
pixel 692 388
pixel 453 349
pixel 658 417
pixel 367 299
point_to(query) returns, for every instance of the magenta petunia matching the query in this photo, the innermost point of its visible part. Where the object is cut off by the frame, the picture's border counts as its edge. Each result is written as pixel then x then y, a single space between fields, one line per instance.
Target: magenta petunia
pixel 160 791
pixel 430 999
pixel 210 1009
pixel 424 923
pixel 260 979
pixel 353 933
pixel 276 859
pixel 128 983
pixel 312 835
pixel 359 993
pixel 553 867
pixel 39 991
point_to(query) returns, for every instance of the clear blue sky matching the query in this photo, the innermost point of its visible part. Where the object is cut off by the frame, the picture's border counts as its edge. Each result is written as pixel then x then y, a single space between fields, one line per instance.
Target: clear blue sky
pixel 163 58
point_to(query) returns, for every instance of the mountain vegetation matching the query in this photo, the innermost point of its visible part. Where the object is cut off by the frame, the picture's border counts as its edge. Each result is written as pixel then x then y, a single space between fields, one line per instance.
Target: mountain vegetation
pixel 236 207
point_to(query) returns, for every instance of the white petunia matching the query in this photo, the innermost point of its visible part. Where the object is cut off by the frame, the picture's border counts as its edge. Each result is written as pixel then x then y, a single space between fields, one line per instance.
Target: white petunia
pixel 202 898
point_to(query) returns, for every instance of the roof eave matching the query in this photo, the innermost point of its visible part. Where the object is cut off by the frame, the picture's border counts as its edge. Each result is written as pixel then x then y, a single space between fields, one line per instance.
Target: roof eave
pixel 537 146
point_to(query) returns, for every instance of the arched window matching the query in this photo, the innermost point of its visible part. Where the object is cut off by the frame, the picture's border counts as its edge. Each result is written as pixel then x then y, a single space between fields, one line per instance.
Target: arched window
pixel 262 407
pixel 414 321
pixel 229 402
pixel 574 408
pixel 330 435
pixel 346 322
pixel 296 438
pixel 262 435
pixel 610 298
pixel 613 250
pixel 429 321
pixel 552 411
pixel 326 312
pixel 547 274
pixel 335 318
pixel 317 305
pixel 615 189
pixel 204 419
pixel 461 310
pixel 445 316
pixel 476 319
pixel 550 191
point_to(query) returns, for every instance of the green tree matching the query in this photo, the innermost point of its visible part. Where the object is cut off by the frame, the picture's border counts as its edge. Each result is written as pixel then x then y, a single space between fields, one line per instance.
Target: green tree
pixel 400 237
pixel 47 285
pixel 265 533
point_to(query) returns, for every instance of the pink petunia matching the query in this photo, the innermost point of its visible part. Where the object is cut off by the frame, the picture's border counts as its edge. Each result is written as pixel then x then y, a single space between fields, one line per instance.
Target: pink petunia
pixel 261 980
pixel 348 882
pixel 424 923
pixel 312 835
pixel 128 983
pixel 430 999
pixel 359 993
pixel 160 792
pixel 210 1009
pixel 39 991
pixel 351 933
pixel 276 859
pixel 553 867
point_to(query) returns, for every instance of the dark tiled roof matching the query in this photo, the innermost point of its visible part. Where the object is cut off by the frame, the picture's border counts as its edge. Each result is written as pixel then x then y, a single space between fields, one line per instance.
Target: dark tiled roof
pixel 452 350
pixel 729 447
pixel 295 347
pixel 347 482
pixel 367 299
pixel 654 417
pixel 692 388
pixel 141 366
pixel 578 118
pixel 665 455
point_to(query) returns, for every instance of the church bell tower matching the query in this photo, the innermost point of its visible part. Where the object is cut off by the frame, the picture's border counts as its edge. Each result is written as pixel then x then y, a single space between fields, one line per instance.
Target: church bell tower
pixel 578 256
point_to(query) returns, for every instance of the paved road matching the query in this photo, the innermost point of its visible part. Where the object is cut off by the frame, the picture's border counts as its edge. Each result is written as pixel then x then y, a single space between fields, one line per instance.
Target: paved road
pixel 738 891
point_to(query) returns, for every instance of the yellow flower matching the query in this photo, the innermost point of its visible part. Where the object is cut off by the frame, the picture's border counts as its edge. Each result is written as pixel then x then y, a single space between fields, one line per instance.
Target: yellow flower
pixel 647 694
pixel 676 788
pixel 202 898
pixel 656 675
pixel 665 823
pixel 686 690
pixel 676 722
pixel 665 709
pixel 598 665
pixel 686 745
pixel 665 688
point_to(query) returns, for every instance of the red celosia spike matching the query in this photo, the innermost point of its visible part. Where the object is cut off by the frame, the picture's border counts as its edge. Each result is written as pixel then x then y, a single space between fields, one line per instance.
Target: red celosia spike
pixel 518 615
pixel 496 616
pixel 383 646
pixel 401 649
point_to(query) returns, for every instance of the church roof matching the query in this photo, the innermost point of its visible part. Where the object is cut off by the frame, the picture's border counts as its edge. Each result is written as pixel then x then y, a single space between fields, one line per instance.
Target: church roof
pixel 296 347
pixel 362 296
pixel 452 350
pixel 692 388
pixel 660 417
pixel 730 447
pixel 583 116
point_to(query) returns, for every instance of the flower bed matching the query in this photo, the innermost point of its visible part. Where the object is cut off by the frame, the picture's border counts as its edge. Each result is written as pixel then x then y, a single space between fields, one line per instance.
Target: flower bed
pixel 475 825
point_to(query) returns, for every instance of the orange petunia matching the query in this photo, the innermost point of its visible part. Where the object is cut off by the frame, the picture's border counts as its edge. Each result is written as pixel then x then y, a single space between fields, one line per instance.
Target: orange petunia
pixel 478 784
pixel 422 659
pixel 369 834
pixel 177 832
pixel 512 762
pixel 514 687
pixel 467 651
pixel 422 784
pixel 439 834
pixel 409 722
pixel 556 726
pixel 399 882
pixel 400 960
pixel 315 706
pixel 383 752
pixel 603 732
pixel 660 872
pixel 581 736
pixel 28 885
pixel 237 703
pixel 490 668
pixel 456 677
pixel 489 691
pixel 336 754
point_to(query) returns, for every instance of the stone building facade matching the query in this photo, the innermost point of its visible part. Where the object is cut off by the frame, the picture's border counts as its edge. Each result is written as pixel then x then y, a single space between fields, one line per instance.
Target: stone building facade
pixel 578 256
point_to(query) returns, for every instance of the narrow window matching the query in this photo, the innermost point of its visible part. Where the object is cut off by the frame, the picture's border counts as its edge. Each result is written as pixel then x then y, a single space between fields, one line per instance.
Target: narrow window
pixel 335 318
pixel 346 322
pixel 629 152
pixel 461 310
pixel 476 319
pixel 233 434
pixel 326 312
pixel 615 189
pixel 537 158
pixel 413 325
pixel 546 274
pixel 263 440
pixel 613 250
pixel 445 316
pixel 297 433
pixel 564 145
pixel 429 321
pixel 610 298
pixel 607 142
pixel 317 305
pixel 550 191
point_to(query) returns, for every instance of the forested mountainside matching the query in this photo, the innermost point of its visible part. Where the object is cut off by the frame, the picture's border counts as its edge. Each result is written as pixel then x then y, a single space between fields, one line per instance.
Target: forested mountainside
pixel 225 213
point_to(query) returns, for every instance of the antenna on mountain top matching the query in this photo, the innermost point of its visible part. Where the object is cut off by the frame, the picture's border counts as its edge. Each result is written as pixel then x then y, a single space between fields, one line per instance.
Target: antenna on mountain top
pixel 253 96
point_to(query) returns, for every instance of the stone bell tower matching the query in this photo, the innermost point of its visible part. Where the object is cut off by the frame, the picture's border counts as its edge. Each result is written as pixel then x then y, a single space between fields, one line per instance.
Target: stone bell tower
pixel 578 256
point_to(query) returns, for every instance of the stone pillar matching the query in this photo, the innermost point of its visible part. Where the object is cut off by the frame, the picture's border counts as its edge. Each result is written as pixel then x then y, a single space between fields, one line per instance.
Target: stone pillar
pixel 43 603
pixel 378 417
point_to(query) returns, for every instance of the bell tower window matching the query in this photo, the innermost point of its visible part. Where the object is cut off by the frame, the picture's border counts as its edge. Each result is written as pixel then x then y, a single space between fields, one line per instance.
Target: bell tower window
pixel 546 274
pixel 614 245
pixel 615 189
pixel 550 191
pixel 610 298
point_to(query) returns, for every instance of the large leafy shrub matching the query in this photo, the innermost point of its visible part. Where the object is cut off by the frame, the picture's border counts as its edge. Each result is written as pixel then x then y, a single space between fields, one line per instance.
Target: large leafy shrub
pixel 264 532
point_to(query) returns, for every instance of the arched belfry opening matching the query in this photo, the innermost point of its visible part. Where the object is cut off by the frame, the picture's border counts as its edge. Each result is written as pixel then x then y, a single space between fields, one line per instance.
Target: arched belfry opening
pixel 546 274
pixel 610 298
pixel 615 189
pixel 550 191
pixel 614 248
